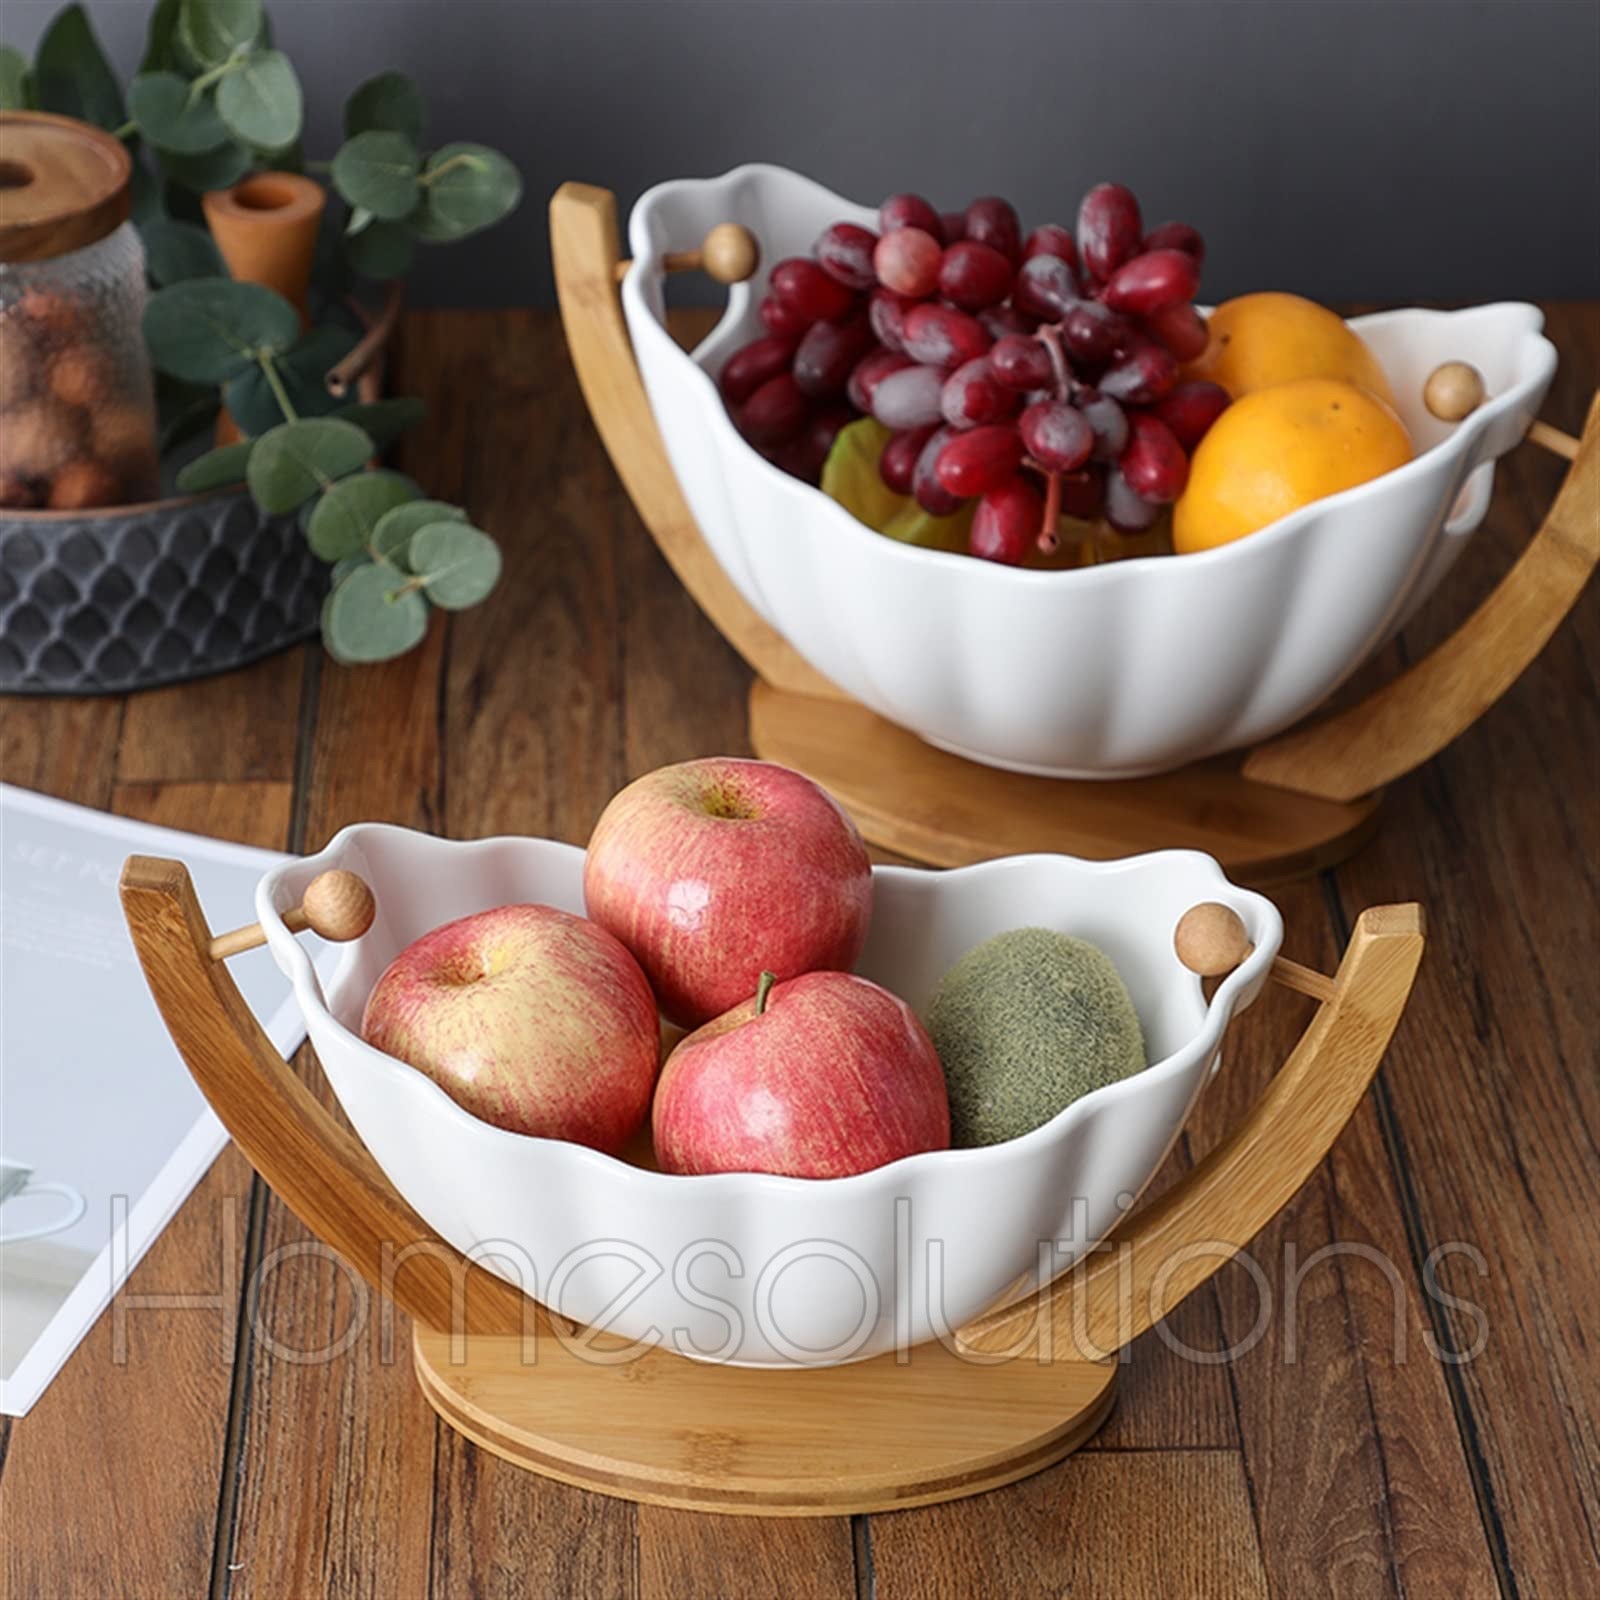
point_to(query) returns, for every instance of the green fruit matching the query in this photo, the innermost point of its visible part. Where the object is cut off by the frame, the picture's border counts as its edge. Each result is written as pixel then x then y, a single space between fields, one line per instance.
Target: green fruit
pixel 1025 1024
pixel 850 476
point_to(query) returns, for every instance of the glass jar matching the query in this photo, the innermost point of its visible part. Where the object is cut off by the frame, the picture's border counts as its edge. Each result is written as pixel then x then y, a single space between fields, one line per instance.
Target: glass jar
pixel 77 404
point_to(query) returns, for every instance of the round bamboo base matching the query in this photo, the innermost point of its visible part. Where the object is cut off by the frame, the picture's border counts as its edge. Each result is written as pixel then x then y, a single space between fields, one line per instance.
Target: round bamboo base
pixel 935 807
pixel 808 1442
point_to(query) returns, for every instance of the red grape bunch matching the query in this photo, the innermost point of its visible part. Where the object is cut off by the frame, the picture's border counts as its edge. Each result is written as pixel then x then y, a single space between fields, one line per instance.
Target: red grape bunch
pixel 1038 374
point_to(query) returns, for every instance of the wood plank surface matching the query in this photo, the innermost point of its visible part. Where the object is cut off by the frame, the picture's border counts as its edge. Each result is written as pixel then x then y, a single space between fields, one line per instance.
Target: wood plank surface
pixel 136 1423
pixel 237 727
pixel 1346 1429
pixel 1494 1114
pixel 1335 1455
pixel 1171 1523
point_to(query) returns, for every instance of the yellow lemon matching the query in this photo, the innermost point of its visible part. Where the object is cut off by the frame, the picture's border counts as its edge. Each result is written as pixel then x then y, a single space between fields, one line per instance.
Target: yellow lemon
pixel 1279 449
pixel 1260 340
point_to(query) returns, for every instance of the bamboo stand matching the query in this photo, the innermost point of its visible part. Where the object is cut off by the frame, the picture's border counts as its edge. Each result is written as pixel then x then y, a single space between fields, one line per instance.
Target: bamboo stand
pixel 1009 1394
pixel 1292 806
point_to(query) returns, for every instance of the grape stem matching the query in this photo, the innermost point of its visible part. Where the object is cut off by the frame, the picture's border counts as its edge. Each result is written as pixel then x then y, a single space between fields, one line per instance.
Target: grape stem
pixel 1049 537
pixel 1049 335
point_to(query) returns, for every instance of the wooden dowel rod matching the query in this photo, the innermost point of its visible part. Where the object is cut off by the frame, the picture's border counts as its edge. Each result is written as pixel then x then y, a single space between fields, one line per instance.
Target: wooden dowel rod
pixel 1211 940
pixel 253 935
pixel 1456 389
pixel 337 906
pixel 730 255
pixel 673 261
pixel 1553 440
pixel 1303 980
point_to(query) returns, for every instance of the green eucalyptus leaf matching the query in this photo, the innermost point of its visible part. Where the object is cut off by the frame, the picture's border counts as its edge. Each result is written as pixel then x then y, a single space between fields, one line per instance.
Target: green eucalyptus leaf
pixel 384 420
pixel 303 373
pixel 178 201
pixel 208 330
pixel 71 75
pixel 211 31
pixel 261 102
pixel 291 462
pixel 289 157
pixel 348 564
pixel 161 39
pixel 343 519
pixel 170 118
pixel 466 187
pixel 458 564
pixel 177 251
pixel 359 220
pixel 380 251
pixel 144 196
pixel 330 272
pixel 388 103
pixel 15 91
pixel 216 169
pixel 391 539
pixel 373 616
pixel 182 410
pixel 378 171
pixel 217 469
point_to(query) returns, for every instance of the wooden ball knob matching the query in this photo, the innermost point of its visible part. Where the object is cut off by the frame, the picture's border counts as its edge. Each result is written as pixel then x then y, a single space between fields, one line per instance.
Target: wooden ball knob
pixel 1211 939
pixel 1453 391
pixel 730 253
pixel 338 906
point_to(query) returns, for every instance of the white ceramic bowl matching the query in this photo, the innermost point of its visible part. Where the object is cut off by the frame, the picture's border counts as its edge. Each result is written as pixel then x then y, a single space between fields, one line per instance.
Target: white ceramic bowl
pixel 1103 672
pixel 762 1270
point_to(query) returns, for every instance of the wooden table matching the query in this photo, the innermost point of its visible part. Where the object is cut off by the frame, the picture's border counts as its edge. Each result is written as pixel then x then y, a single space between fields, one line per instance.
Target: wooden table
pixel 1337 1454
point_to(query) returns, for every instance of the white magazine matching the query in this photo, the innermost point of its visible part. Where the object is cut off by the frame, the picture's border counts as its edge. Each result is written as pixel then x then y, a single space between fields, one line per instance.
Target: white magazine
pixel 102 1131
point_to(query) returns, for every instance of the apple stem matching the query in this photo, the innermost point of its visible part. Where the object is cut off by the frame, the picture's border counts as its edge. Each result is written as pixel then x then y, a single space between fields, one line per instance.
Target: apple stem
pixel 763 988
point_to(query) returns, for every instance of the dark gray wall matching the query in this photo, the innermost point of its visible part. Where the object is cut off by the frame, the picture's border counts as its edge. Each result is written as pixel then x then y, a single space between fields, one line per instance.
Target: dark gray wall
pixel 1412 149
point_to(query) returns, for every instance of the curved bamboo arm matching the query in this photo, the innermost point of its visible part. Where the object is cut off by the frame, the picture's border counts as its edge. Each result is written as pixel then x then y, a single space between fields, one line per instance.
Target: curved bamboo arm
pixel 584 250
pixel 1168 1248
pixel 1408 721
pixel 321 1172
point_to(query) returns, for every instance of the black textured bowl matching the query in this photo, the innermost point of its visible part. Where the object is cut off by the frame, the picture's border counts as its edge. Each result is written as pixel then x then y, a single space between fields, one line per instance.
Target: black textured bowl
pixel 99 602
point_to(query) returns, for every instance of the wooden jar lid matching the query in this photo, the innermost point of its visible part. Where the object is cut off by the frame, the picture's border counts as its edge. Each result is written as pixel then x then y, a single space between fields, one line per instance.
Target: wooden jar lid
pixel 63 185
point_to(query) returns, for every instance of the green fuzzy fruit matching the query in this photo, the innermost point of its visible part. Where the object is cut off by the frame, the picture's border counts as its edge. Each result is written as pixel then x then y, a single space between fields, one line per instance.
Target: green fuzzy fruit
pixel 1025 1024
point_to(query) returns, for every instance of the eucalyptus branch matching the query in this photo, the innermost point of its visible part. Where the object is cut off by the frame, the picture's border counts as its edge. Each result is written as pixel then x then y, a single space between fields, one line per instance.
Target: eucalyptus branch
pixel 433 174
pixel 210 332
pixel 215 75
pixel 269 370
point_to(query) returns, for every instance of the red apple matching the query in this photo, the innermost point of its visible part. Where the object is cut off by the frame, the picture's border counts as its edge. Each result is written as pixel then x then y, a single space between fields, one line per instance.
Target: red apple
pixel 818 1077
pixel 714 871
pixel 530 1018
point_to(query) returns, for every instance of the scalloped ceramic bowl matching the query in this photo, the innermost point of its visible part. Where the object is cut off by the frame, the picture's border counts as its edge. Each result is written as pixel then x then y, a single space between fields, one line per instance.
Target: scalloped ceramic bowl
pixel 763 1270
pixel 1106 672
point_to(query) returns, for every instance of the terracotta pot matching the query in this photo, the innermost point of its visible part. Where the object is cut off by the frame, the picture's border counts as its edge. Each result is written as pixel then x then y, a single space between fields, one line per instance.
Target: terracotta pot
pixel 266 228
